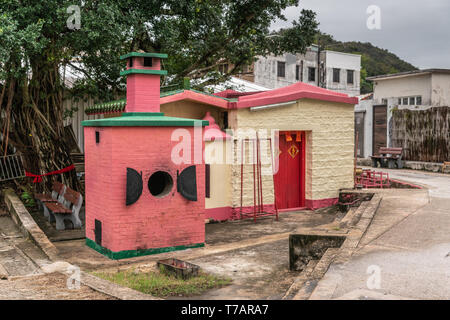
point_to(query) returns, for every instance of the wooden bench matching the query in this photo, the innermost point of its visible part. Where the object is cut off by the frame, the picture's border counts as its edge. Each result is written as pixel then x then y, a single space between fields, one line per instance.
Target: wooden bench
pixel 69 209
pixel 388 158
pixel 58 190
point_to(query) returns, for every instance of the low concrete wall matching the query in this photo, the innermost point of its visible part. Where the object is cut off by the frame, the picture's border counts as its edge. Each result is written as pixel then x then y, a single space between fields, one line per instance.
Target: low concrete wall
pixel 27 225
pixel 414 165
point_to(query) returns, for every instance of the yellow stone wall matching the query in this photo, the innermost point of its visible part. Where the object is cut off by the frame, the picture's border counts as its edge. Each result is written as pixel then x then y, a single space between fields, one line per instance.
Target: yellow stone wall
pixel 329 148
pixel 220 175
pixel 329 145
pixel 192 110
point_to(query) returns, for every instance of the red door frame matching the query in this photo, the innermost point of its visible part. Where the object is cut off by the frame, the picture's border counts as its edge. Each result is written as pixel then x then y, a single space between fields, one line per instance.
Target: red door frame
pixel 302 171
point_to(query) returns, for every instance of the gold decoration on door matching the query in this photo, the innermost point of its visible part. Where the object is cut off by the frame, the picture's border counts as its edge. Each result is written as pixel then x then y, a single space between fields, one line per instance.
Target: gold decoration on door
pixel 293 151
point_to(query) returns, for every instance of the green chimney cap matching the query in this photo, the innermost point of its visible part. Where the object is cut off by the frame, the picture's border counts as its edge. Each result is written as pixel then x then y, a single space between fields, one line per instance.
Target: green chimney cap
pixel 144 54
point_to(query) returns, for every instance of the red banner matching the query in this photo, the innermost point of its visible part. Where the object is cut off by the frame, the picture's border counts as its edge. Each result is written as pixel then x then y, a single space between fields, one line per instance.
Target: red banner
pixel 38 177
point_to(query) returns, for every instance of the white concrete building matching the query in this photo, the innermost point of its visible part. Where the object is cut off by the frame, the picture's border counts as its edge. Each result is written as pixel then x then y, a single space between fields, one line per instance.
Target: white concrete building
pixel 420 88
pixel 414 90
pixel 337 71
pixel 238 85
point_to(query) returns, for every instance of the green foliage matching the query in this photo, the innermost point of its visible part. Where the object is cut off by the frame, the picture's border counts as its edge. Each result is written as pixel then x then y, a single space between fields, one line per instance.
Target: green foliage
pixel 197 35
pixel 36 46
pixel 27 197
pixel 374 61
pixel 162 285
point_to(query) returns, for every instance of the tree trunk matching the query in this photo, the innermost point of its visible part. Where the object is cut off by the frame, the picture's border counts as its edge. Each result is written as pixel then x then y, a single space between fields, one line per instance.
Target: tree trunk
pixel 37 127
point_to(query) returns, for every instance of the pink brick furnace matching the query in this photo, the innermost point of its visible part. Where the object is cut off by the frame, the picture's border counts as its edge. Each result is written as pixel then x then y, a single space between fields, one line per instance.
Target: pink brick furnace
pixel 139 198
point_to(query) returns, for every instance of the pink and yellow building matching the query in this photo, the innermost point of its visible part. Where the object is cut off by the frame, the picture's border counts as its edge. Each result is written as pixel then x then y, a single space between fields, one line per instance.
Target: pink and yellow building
pixel 314 157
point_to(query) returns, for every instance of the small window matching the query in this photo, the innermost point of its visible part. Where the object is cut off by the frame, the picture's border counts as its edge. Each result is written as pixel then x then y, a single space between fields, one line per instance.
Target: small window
pixel 297 73
pixel 301 71
pixel 97 137
pixel 223 68
pixel 419 100
pixel 311 74
pixel 207 181
pixel 148 62
pixel 336 75
pixel 412 101
pixel 350 76
pixel 281 69
pixel 384 101
pixel 130 63
pixel 405 101
pixel 399 101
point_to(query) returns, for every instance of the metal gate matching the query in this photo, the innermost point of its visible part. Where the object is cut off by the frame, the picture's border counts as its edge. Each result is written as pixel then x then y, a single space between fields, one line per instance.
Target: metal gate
pixel 379 128
pixel 11 167
pixel 359 134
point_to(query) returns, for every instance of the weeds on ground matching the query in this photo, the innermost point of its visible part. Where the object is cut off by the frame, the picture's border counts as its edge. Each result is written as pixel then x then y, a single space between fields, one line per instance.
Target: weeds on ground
pixel 27 197
pixel 161 285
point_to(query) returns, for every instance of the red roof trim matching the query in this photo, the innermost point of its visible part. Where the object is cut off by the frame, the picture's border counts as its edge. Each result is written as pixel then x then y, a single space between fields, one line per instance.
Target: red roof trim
pixel 230 94
pixel 293 97
pixel 293 92
pixel 197 97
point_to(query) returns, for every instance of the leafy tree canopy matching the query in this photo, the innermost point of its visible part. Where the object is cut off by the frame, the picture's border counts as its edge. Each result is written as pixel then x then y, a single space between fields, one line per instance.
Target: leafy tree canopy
pixel 36 44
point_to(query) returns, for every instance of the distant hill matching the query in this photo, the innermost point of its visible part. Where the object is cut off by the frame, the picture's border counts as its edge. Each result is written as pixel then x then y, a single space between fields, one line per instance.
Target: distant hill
pixel 374 61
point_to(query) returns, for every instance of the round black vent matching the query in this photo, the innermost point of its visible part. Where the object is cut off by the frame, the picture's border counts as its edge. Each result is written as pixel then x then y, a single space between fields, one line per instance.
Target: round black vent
pixel 160 184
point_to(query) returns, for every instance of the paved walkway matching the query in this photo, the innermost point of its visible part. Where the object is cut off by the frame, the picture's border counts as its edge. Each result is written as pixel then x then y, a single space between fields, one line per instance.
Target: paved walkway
pixel 21 262
pixel 405 253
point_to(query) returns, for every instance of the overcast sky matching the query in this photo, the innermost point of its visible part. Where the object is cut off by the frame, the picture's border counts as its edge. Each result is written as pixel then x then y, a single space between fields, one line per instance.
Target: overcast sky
pixel 417 31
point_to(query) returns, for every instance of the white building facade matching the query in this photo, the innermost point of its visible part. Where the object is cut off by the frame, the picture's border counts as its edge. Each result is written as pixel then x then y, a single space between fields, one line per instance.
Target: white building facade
pixel 415 90
pixel 337 71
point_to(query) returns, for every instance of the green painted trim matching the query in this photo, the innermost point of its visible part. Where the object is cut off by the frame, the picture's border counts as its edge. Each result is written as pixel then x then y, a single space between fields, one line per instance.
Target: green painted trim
pixel 144 54
pixel 113 106
pixel 170 93
pixel 143 71
pixel 144 119
pixel 186 83
pixel 144 114
pixel 126 254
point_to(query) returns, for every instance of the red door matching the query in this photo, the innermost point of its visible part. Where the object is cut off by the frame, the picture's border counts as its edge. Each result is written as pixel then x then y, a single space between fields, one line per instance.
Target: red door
pixel 289 180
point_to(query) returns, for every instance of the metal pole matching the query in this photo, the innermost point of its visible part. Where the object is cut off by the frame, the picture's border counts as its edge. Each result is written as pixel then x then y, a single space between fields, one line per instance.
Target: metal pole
pixel 242 177
pixel 254 185
pixel 273 179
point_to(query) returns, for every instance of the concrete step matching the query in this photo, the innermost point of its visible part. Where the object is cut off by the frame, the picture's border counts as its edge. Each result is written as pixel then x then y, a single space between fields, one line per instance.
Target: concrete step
pixel 18 256
pixel 15 263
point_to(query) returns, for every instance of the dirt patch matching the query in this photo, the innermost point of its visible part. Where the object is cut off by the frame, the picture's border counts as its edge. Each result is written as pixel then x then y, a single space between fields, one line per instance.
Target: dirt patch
pixel 159 284
pixel 46 287
pixel 258 272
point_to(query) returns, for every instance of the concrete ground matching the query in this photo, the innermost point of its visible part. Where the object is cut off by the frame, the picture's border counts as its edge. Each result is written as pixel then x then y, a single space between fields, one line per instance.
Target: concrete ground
pixel 253 255
pixel 22 266
pixel 220 237
pixel 405 253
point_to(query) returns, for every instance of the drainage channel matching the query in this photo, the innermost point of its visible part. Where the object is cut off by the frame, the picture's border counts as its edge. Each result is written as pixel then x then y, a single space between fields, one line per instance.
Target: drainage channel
pixel 313 253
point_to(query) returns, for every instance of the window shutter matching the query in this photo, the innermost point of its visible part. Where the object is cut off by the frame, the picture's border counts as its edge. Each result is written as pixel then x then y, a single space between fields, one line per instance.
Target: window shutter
pixel 187 183
pixel 134 186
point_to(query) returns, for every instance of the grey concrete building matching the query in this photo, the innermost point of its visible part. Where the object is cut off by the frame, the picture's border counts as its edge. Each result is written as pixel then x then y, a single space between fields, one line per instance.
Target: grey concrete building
pixel 337 71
